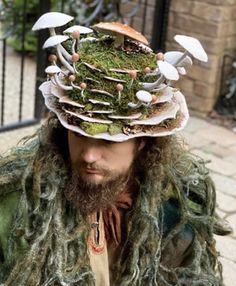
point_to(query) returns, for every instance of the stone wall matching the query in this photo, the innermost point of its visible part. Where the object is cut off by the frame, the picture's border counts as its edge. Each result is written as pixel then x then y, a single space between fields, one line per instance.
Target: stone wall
pixel 213 22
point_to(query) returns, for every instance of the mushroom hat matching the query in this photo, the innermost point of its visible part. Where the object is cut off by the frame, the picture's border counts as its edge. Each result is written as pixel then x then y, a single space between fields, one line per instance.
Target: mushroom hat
pixel 105 81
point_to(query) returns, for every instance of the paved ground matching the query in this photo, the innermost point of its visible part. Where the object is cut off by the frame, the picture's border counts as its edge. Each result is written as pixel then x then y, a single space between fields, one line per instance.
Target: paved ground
pixel 213 143
pixel 218 145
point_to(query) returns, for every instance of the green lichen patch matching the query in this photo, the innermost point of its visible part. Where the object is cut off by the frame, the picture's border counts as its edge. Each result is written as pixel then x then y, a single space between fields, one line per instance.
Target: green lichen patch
pixel 93 128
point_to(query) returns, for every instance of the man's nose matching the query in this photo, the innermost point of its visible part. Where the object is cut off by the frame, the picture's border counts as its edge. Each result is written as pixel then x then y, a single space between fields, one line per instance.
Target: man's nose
pixel 91 153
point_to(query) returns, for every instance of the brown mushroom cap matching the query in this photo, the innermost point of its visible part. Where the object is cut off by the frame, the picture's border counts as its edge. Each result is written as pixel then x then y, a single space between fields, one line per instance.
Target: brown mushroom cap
pixel 113 28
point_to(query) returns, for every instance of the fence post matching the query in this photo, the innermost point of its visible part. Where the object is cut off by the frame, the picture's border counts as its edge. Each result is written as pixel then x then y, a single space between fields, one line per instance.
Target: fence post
pixel 160 24
pixel 44 7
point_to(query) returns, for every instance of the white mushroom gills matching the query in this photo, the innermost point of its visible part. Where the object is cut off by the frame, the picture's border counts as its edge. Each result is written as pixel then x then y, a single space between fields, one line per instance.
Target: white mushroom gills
pixel 173 58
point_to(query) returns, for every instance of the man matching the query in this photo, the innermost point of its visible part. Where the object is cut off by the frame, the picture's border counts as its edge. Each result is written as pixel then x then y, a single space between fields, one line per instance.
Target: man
pixel 105 193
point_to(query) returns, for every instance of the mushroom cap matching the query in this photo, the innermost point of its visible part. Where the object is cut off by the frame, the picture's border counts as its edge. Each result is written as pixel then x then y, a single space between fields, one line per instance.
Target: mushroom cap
pixel 113 28
pixel 52 20
pixel 169 71
pixel 52 69
pixel 54 40
pixel 81 29
pixel 193 46
pixel 172 56
pixel 144 96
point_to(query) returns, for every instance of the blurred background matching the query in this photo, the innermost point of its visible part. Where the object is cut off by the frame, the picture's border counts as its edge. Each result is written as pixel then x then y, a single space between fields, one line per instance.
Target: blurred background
pixel 210 88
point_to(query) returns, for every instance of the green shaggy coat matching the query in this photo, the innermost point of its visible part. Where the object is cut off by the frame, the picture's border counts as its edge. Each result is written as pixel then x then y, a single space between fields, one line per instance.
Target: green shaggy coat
pixel 168 233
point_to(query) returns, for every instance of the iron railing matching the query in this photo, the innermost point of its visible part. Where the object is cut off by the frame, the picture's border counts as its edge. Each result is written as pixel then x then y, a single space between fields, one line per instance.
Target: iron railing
pixel 226 103
pixel 86 13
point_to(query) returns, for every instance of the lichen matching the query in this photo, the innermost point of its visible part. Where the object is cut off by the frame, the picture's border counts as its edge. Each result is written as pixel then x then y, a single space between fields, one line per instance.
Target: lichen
pixel 93 128
pixel 115 129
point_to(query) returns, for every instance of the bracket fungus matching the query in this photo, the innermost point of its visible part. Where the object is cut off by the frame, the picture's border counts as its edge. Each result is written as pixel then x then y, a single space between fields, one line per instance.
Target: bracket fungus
pixel 120 31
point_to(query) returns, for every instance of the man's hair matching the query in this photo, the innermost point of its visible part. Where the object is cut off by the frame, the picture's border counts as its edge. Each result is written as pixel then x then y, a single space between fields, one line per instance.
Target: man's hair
pixel 57 233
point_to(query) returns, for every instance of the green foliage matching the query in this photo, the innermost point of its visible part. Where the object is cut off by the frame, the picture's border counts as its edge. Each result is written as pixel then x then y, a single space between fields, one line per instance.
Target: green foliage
pixel 13 19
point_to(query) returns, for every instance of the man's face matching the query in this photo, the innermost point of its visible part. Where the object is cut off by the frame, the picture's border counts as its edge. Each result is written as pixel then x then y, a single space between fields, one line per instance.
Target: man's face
pixel 98 160
pixel 100 171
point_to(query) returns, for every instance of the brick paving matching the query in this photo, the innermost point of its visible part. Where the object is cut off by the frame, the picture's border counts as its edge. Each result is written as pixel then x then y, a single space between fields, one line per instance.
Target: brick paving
pixel 220 149
pixel 218 145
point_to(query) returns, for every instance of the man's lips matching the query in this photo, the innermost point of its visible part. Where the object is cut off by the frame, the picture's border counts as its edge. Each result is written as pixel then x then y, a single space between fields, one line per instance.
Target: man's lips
pixel 93 171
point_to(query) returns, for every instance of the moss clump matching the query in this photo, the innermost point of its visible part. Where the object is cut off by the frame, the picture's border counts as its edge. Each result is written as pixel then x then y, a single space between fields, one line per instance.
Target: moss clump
pixel 115 129
pixel 104 56
pixel 94 128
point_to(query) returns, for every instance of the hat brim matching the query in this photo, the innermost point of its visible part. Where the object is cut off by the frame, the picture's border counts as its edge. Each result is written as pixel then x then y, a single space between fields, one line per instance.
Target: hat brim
pixel 177 109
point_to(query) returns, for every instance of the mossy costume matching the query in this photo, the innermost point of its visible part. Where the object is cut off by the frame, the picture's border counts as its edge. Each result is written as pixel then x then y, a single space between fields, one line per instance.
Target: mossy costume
pixel 114 93
pixel 168 232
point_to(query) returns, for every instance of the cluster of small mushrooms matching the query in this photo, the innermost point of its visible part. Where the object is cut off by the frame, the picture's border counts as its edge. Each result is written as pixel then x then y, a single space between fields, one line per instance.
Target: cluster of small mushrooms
pixel 165 107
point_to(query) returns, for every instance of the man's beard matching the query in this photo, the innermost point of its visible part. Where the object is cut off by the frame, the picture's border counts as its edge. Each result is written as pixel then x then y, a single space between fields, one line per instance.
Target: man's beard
pixel 89 196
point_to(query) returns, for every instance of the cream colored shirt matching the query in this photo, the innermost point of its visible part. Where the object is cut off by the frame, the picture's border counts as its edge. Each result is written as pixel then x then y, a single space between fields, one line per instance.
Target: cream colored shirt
pixel 97 248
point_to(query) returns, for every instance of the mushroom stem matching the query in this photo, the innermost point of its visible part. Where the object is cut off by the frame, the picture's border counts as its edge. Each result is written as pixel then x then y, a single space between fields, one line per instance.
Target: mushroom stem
pixel 58 82
pixel 63 61
pixel 62 49
pixel 73 46
pixel 75 69
pixel 64 52
pixel 150 86
pixel 184 55
pixel 52 31
pixel 76 86
pixel 119 40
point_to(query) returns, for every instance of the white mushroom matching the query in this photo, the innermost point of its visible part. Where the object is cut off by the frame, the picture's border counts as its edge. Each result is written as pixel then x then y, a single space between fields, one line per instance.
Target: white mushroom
pixel 51 21
pixel 144 96
pixel 168 70
pixel 192 46
pixel 173 58
pixel 56 41
pixel 74 29
pixel 52 69
pixel 81 29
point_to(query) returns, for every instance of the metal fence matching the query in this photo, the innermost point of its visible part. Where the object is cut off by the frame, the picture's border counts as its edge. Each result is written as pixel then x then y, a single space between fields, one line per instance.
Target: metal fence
pixel 226 103
pixel 21 103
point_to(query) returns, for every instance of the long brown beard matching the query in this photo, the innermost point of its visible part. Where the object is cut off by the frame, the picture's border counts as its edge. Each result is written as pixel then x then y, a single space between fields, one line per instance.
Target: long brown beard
pixel 90 197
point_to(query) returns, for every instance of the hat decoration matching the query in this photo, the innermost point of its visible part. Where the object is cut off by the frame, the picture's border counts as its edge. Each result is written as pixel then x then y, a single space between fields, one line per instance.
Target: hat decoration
pixel 106 82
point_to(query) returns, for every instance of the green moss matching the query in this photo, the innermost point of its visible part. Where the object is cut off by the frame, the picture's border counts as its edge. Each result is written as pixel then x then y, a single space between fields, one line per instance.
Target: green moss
pixel 105 56
pixel 93 128
pixel 115 129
